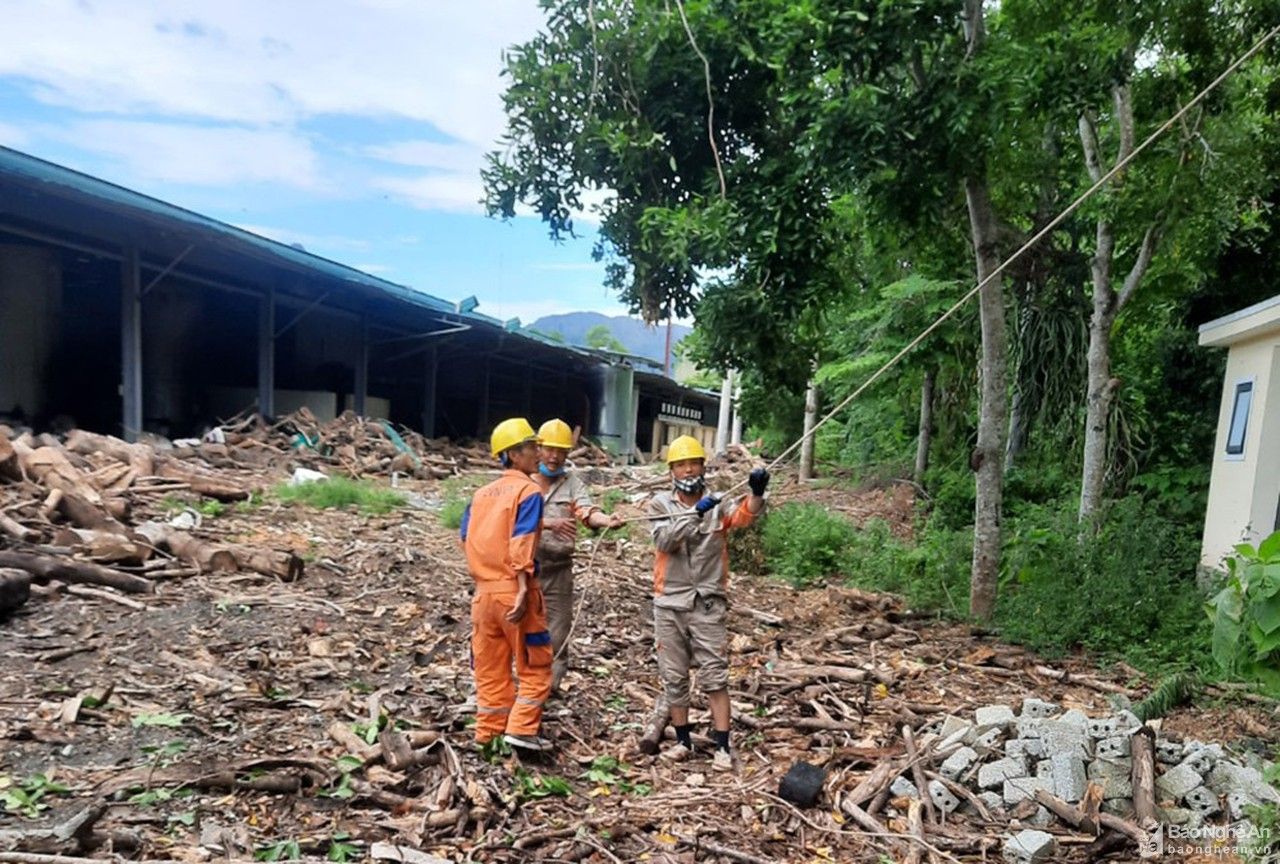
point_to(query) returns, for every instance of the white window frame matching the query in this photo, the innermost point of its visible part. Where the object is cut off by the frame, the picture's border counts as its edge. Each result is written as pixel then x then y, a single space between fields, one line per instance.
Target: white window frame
pixel 1252 381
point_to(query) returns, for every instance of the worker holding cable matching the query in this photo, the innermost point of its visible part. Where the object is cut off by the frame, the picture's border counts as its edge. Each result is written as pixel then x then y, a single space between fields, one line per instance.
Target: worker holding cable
pixel 500 531
pixel 568 503
pixel 690 587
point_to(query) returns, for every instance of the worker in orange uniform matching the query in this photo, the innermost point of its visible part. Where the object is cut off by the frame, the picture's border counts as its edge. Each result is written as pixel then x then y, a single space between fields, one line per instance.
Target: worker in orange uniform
pixel 690 587
pixel 568 502
pixel 500 531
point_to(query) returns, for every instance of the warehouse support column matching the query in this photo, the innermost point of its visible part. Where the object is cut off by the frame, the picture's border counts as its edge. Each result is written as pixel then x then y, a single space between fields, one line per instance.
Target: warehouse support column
pixel 736 436
pixel 429 395
pixel 362 369
pixel 726 408
pixel 267 353
pixel 482 418
pixel 131 344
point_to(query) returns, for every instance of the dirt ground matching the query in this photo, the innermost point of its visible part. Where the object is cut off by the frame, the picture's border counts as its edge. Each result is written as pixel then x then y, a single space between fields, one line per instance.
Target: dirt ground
pixel 222 716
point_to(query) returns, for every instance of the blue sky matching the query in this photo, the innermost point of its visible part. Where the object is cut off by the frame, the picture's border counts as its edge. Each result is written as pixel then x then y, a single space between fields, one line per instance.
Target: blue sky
pixel 355 127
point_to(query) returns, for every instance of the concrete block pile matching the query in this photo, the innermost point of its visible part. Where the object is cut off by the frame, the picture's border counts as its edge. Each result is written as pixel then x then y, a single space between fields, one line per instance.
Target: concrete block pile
pixel 1005 756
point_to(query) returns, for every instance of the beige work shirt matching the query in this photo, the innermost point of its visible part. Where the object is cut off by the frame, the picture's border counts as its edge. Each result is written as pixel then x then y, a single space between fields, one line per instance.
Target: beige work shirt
pixel 692 559
pixel 567 498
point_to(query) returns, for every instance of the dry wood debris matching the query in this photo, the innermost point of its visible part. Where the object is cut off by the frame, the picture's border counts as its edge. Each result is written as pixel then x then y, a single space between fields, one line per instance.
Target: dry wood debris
pixel 229 708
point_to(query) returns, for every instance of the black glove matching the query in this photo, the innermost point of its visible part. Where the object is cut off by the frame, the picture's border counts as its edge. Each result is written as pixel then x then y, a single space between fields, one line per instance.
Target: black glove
pixel 708 502
pixel 758 480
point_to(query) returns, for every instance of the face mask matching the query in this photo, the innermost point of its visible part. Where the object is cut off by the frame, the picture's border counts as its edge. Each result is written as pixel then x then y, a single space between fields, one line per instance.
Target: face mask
pixel 690 485
pixel 547 472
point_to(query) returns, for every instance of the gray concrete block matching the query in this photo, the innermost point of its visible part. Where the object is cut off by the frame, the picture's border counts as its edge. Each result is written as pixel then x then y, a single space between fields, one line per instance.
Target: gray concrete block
pixel 989 740
pixel 952 724
pixel 994 716
pixel 942 797
pixel 1168 752
pixel 903 788
pixel 993 800
pixel 1044 768
pixel 1077 718
pixel 1030 847
pixel 1203 801
pixel 1177 782
pixel 1022 748
pixel 1227 777
pixel 1122 767
pixel 1116 747
pixel 1042 818
pixel 1069 780
pixel 1021 788
pixel 1038 709
pixel 1028 727
pixel 958 762
pixel 1122 807
pixel 994 774
pixel 1238 803
pixel 1174 815
pixel 1200 761
pixel 1129 722
pixel 1103 727
pixel 1065 739
pixel 1113 777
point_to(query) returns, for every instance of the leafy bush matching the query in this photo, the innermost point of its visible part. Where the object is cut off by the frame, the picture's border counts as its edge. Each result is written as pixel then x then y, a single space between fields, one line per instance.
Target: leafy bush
pixel 803 542
pixel 337 492
pixel 1246 615
pixel 932 574
pixel 1129 591
pixel 953 496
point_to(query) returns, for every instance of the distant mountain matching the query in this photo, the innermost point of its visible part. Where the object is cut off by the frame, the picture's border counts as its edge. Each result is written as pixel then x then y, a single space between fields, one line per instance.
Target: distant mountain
pixel 632 332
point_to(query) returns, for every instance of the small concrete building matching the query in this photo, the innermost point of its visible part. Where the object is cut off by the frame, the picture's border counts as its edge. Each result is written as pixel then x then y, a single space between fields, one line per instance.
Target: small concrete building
pixel 1244 488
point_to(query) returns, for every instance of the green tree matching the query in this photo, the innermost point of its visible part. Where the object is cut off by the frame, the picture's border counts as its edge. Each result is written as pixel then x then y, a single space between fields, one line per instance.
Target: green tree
pixel 600 336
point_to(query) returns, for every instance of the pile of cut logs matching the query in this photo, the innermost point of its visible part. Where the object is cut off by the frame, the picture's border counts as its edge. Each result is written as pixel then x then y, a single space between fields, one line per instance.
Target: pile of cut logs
pixel 66 508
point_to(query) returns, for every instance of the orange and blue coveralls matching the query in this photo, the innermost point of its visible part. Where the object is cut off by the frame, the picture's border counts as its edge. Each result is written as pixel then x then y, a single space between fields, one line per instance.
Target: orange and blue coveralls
pixel 500 532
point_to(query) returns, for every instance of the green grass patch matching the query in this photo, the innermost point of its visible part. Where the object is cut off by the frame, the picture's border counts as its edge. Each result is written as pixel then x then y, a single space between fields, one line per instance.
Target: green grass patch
pixel 457 492
pixel 342 492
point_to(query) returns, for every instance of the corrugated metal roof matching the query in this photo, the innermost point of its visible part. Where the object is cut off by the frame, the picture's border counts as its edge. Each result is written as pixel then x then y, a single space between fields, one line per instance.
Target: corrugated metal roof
pixel 63 179
pixel 67 182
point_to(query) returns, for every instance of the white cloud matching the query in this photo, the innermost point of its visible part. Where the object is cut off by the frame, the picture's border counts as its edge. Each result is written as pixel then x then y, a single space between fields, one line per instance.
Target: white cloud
pixel 430 154
pixel 458 193
pixel 247 61
pixel 199 155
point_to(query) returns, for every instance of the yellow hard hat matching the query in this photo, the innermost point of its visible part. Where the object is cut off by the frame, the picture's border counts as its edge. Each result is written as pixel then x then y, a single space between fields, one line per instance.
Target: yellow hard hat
pixel 685 447
pixel 556 433
pixel 509 433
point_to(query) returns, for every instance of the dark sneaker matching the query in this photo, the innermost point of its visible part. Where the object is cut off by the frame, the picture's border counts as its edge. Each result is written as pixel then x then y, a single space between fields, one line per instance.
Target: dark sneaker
pixel 536 743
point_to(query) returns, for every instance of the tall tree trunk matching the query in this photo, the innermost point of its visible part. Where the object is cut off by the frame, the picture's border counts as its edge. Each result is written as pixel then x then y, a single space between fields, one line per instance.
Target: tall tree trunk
pixel 988 457
pixel 1107 303
pixel 1101 392
pixel 925 436
pixel 1019 428
pixel 810 420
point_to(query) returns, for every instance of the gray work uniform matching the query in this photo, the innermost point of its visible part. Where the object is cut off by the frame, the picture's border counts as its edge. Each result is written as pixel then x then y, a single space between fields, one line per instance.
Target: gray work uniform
pixel 567 498
pixel 690 601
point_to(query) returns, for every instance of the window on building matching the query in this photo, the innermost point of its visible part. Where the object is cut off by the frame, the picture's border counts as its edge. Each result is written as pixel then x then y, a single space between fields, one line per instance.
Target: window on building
pixel 1239 418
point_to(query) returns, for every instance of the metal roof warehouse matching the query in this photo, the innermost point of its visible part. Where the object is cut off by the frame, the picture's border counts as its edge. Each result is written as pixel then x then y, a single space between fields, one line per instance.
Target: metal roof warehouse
pixel 123 313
